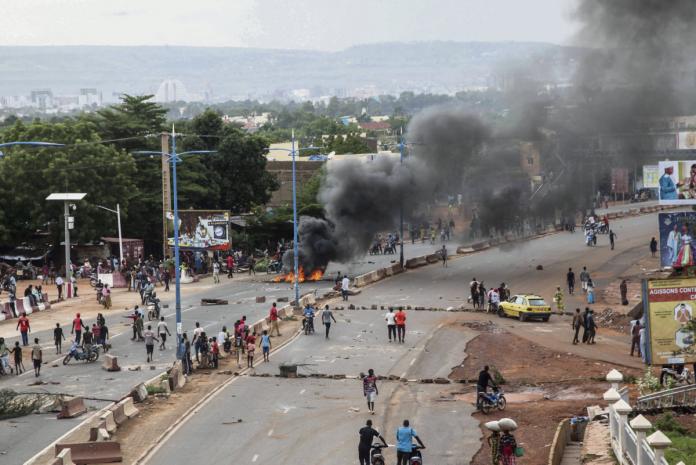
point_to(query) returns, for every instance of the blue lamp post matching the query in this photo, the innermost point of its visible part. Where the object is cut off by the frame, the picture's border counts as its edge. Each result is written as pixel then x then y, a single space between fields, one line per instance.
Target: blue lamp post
pixel 174 159
pixel 296 262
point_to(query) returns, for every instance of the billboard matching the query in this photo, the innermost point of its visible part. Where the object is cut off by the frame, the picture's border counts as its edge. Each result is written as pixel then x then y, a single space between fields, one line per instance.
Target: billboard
pixel 619 180
pixel 651 176
pixel 670 318
pixel 676 235
pixel 686 140
pixel 201 229
pixel 677 182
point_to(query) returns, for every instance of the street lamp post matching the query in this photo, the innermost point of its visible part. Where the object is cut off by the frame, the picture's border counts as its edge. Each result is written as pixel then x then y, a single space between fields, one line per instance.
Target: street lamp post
pixel 120 238
pixel 174 159
pixel 67 198
pixel 401 209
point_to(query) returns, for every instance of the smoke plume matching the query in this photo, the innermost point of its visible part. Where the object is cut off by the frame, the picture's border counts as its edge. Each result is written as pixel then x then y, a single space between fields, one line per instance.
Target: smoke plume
pixel 363 198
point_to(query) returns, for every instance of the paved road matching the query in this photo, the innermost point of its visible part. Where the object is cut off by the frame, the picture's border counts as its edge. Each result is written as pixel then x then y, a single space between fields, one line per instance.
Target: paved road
pixel 275 411
pixel 30 434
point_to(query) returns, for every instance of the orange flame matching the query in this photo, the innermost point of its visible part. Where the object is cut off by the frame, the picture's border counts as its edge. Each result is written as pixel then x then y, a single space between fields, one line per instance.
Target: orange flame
pixel 315 275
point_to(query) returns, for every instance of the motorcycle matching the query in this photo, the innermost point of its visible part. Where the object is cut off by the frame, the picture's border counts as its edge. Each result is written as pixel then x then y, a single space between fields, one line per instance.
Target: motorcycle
pixel 376 457
pixel 489 401
pixel 93 280
pixel 590 238
pixel 416 456
pixel 679 374
pixel 308 325
pixel 77 353
pixel 274 266
pixel 153 307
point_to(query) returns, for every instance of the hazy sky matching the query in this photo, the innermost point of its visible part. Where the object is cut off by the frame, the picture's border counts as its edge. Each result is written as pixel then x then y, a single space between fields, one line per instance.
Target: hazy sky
pixel 306 24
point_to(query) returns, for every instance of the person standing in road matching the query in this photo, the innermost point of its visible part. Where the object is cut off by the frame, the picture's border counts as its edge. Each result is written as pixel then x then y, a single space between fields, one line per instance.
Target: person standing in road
pixel 216 272
pixel 59 286
pixel 166 277
pixel 265 344
pixel 400 320
pixel 577 324
pixel 197 340
pixel 586 331
pixel 653 247
pixel 77 326
pixel 230 266
pixel 570 279
pixel 106 297
pixel 584 277
pixel 591 327
pixel 590 292
pixel 612 237
pixel 163 331
pixel 404 443
pixel 150 342
pixel 36 357
pixel 24 328
pixel 326 317
pixel 635 336
pixel 58 337
pixel 370 390
pixel 273 318
pixel 391 324
pixel 623 289
pixel 186 360
pixel 443 254
pixel 558 298
pixel 367 435
pixel 345 287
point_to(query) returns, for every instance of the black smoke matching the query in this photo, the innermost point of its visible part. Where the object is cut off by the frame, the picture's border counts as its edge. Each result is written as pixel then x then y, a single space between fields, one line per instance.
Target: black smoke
pixel 364 197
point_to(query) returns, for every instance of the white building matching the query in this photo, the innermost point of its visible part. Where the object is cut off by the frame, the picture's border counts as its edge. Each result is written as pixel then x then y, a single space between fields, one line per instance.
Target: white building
pixel 171 90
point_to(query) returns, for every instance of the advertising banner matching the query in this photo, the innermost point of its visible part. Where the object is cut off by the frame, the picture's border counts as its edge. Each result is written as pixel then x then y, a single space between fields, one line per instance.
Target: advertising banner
pixel 201 229
pixel 677 182
pixel 651 176
pixel 686 140
pixel 670 313
pixel 676 238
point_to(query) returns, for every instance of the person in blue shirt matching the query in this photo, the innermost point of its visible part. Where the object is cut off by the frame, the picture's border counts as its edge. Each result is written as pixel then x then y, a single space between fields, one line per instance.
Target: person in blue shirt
pixel 668 189
pixel 308 322
pixel 404 443
pixel 265 343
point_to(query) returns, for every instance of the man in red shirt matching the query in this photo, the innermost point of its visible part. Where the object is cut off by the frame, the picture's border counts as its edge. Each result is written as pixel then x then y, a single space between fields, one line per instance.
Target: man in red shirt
pixel 230 266
pixel 273 317
pixel 24 328
pixel 400 319
pixel 77 326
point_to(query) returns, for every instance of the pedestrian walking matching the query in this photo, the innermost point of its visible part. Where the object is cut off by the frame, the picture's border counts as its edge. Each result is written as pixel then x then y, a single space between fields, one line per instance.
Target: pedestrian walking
pixel 163 331
pixel 576 325
pixel 230 266
pixel 585 327
pixel 570 279
pixel 106 297
pixel 508 449
pixel 473 287
pixel 494 444
pixel 636 326
pixel 166 277
pixel 653 247
pixel 197 340
pixel 250 348
pixel 404 443
pixel 73 281
pixel 584 277
pixel 443 254
pixel 18 363
pixel 591 327
pixel 590 292
pixel 273 318
pixel 150 339
pixel 558 298
pixel 391 324
pixel 400 319
pixel 623 289
pixel 265 344
pixel 367 435
pixel 370 390
pixel 139 324
pixel 345 287
pixel 326 317
pixel 59 287
pixel 24 328
pixel 215 351
pixel 216 272
pixel 612 238
pixel 58 338
pixel 77 326
pixel 37 357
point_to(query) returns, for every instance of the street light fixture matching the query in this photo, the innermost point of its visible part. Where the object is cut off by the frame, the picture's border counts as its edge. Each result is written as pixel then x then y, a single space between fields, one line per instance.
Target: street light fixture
pixel 120 238
pixel 296 261
pixel 174 159
pixel 67 198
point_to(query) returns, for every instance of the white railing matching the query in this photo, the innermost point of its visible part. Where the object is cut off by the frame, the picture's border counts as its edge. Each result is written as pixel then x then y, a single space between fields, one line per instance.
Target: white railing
pixel 628 438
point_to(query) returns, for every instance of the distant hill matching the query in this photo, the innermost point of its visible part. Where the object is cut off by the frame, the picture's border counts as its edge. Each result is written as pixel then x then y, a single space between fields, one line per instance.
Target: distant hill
pixel 241 72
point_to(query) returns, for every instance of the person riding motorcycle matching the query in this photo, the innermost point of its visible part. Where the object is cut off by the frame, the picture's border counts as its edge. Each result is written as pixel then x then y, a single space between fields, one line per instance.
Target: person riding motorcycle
pixel 308 321
pixel 484 380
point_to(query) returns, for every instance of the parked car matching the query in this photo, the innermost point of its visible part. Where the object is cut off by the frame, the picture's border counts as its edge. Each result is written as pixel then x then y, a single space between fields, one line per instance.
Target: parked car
pixel 525 307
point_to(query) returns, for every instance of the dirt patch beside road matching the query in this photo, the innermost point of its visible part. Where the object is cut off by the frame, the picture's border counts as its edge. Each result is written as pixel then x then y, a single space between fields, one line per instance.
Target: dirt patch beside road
pixel 543 387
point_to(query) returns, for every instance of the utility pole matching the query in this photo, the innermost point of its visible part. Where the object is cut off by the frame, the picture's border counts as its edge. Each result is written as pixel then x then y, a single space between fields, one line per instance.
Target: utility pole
pixel 166 191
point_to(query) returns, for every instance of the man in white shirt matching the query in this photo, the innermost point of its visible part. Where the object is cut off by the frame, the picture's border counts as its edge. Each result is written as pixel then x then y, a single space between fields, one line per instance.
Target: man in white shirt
pixel 493 299
pixel 391 324
pixel 59 286
pixel 345 284
pixel 216 272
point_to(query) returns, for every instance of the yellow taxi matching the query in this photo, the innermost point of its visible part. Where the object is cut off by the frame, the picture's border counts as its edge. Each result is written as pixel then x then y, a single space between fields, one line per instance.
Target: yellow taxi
pixel 525 307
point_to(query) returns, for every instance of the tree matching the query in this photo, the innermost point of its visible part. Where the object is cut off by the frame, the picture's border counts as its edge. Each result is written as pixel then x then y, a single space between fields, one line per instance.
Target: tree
pixel 29 175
